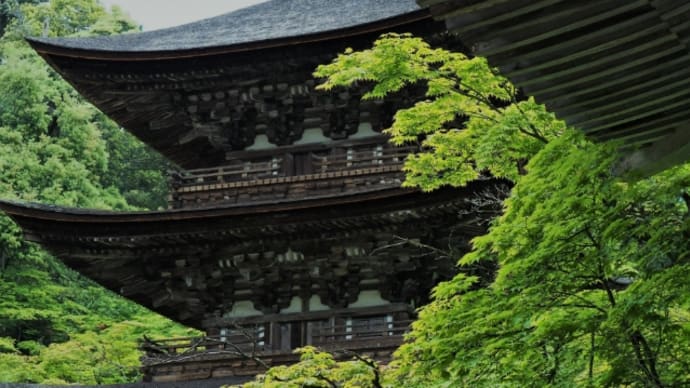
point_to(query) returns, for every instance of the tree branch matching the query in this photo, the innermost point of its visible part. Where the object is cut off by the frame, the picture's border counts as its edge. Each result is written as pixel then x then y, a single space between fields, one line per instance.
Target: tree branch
pixel 373 365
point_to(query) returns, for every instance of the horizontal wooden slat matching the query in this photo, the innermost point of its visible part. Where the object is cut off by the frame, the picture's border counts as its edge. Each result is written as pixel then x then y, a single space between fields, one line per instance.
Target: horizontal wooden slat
pixel 615 69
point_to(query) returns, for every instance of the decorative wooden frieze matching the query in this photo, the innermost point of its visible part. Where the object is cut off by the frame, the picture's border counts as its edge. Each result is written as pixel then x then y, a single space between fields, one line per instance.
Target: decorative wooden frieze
pixel 232 116
pixel 343 114
pixel 285 123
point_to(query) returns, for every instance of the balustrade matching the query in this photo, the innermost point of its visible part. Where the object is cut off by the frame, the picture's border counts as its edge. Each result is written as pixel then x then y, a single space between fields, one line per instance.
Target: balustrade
pixel 351 158
pixel 255 341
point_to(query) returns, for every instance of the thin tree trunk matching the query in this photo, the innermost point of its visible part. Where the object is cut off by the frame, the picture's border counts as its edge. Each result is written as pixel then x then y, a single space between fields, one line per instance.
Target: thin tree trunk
pixel 591 359
pixel 645 359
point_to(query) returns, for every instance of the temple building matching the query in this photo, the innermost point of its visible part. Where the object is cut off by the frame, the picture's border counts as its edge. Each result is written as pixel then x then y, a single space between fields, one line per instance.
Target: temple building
pixel 287 223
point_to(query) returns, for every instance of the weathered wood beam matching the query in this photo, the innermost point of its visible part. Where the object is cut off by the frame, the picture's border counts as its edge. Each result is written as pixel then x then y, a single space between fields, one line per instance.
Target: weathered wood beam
pixel 662 154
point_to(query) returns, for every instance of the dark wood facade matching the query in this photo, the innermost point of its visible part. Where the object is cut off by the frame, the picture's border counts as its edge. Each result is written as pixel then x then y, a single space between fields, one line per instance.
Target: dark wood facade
pixel 198 107
pixel 340 271
pixel 287 224
pixel 195 264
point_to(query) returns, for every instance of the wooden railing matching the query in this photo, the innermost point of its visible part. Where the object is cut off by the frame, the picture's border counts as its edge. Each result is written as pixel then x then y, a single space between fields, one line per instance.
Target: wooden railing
pixel 353 159
pixel 231 173
pixel 163 348
pixel 249 345
pixel 243 345
pixel 358 332
pixel 350 158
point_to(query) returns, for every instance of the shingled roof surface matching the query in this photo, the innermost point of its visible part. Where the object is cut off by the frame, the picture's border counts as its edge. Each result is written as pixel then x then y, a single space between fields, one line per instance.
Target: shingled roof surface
pixel 275 19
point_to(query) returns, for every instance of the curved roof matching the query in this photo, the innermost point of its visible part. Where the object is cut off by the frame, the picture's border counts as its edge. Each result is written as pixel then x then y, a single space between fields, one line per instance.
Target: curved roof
pixel 138 255
pixel 53 213
pixel 272 20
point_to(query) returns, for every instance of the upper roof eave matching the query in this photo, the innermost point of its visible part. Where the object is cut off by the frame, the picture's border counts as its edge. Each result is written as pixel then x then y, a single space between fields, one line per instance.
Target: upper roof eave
pixel 62 47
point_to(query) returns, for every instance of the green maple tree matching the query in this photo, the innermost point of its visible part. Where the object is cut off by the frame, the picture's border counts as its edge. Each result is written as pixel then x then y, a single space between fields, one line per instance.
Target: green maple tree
pixel 592 285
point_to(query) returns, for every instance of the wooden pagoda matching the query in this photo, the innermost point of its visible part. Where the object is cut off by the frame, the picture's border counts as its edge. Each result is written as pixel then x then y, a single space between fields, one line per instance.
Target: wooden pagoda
pixel 287 224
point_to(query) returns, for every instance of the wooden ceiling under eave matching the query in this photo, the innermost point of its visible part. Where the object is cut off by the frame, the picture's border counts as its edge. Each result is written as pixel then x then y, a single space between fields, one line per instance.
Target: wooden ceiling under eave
pixel 614 69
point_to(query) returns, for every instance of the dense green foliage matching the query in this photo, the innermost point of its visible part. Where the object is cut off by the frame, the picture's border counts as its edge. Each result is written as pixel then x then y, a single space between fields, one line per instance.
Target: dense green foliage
pixel 56 327
pixel 592 287
pixel 593 280
pixel 499 133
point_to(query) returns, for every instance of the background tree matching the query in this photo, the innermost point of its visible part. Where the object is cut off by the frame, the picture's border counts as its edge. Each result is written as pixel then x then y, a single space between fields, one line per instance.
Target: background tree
pixel 9 11
pixel 55 326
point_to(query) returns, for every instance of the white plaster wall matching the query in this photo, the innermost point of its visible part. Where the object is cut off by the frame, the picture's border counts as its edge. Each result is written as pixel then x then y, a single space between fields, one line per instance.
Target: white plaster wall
pixel 364 131
pixel 294 307
pixel 312 136
pixel 369 298
pixel 261 143
pixel 242 309
pixel 316 305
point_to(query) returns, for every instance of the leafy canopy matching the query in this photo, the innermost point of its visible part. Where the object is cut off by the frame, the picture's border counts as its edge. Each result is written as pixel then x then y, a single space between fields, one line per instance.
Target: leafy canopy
pixel 55 326
pixel 469 120
pixel 320 369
